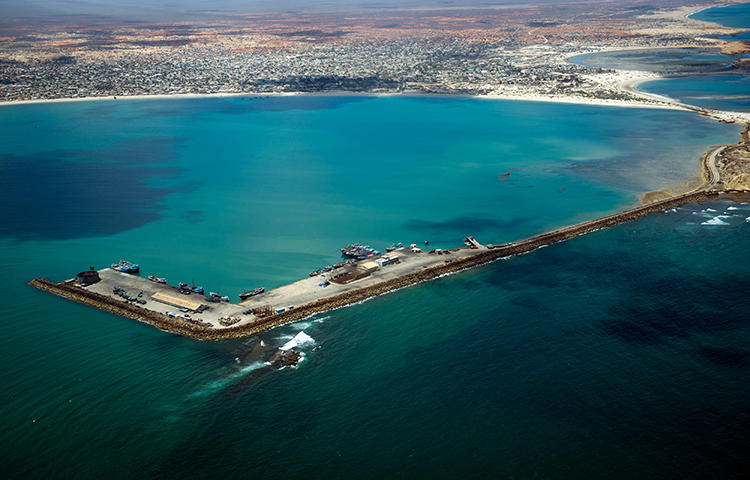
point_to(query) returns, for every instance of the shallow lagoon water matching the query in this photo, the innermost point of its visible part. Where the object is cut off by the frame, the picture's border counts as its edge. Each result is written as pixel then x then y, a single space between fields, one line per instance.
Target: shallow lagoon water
pixel 721 92
pixel 615 353
pixel 735 16
pixel 729 90
pixel 661 60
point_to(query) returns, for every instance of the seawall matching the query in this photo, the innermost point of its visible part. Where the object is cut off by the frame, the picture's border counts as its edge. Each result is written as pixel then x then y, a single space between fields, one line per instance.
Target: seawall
pixel 482 256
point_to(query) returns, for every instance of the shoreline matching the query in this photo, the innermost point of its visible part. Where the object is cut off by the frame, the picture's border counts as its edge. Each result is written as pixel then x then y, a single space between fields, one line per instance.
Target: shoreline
pixel 663 102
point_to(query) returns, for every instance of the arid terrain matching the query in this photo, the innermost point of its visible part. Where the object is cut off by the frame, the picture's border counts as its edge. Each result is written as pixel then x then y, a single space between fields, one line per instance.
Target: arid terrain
pixel 504 50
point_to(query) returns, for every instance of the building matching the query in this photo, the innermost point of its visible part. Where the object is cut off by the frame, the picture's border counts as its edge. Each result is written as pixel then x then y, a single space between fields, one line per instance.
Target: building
pixel 88 277
pixel 387 259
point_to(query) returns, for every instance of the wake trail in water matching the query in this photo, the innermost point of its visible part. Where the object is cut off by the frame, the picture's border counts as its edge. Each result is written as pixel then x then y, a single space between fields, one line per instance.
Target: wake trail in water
pixel 227 380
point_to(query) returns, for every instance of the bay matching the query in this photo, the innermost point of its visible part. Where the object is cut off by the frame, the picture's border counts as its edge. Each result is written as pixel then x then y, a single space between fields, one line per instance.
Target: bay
pixel 600 355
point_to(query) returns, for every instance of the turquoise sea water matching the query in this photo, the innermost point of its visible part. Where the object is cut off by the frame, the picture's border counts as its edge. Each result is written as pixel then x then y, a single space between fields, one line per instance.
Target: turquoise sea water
pixel 624 353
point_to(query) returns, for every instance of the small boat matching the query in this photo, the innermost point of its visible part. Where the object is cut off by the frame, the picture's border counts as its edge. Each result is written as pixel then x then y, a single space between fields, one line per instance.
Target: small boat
pixel 127 267
pixel 252 293
pixel 157 279
pixel 197 289
pixel 357 250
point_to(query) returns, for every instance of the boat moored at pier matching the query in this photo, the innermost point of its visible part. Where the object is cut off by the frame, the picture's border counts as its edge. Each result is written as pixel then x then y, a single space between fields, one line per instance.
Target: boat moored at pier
pixel 359 251
pixel 252 293
pixel 127 267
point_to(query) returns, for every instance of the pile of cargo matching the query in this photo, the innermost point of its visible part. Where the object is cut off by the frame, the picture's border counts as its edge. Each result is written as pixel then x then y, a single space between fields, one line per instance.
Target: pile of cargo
pixel 227 321
pixel 263 311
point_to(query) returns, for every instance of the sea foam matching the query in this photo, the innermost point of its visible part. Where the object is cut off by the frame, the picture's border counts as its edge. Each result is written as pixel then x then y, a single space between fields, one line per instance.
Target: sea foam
pixel 718 220
pixel 300 339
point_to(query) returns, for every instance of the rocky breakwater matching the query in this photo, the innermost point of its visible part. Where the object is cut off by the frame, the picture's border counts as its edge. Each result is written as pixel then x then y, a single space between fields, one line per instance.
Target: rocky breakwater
pixel 477 257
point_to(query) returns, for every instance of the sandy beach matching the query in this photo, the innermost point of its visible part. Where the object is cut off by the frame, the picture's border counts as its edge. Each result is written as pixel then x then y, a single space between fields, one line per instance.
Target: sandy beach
pixel 609 79
pixel 144 97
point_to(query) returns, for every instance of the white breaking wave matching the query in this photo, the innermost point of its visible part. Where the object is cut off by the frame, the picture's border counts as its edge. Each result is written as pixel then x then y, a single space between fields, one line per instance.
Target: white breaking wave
pixel 732 208
pixel 716 221
pixel 300 339
pixel 301 325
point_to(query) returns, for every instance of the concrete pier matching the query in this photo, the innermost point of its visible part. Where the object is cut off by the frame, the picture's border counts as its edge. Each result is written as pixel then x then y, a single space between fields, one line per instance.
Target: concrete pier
pixel 305 297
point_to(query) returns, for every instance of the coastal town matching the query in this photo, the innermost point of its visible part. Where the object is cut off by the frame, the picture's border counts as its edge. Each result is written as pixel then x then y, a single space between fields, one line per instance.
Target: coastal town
pixel 493 52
